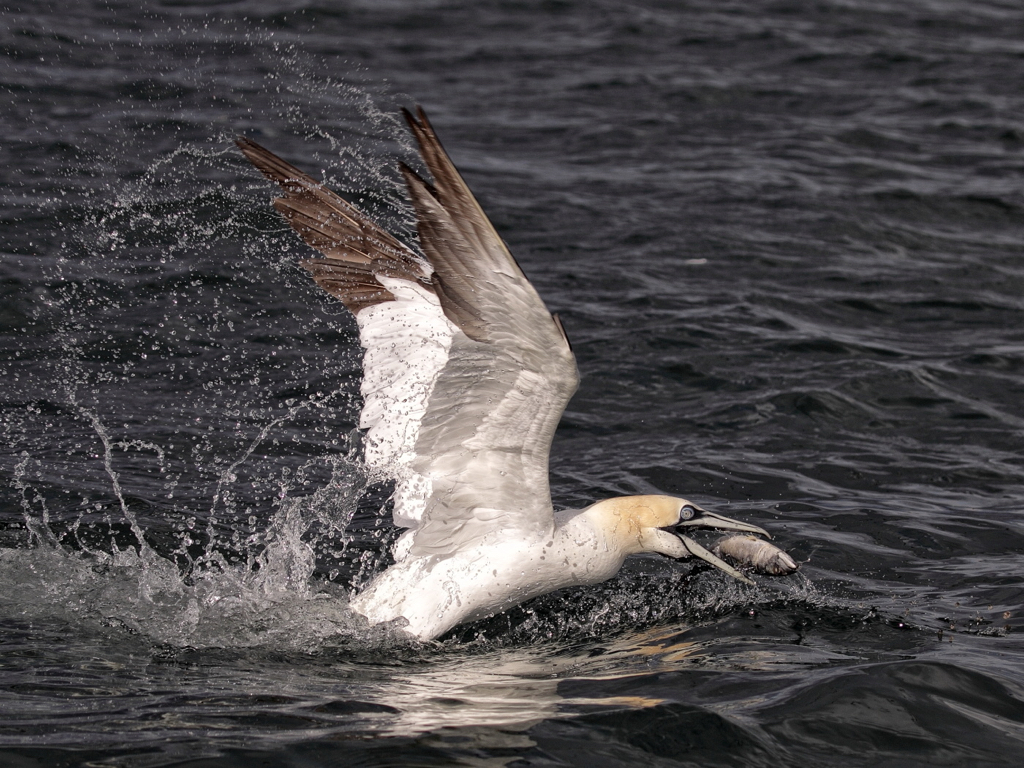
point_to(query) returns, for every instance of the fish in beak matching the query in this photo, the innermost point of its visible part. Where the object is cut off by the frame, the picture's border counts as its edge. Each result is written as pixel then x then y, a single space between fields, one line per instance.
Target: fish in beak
pixel 696 550
pixel 692 516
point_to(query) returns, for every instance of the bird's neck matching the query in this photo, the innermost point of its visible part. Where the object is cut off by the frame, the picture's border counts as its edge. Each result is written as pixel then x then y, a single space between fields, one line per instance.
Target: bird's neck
pixel 625 521
pixel 616 523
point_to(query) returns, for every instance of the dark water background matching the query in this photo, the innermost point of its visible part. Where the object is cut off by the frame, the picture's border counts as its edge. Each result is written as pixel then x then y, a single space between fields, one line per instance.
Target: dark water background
pixel 785 239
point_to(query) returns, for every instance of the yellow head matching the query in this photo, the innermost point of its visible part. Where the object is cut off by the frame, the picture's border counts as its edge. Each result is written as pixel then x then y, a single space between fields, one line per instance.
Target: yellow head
pixel 626 518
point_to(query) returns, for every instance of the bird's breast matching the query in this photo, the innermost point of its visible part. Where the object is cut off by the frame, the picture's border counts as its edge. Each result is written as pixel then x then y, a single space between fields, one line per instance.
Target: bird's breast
pixel 434 594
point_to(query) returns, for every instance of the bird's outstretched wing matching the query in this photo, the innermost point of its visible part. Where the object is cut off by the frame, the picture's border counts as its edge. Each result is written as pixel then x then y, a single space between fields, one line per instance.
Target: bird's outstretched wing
pixel 465 373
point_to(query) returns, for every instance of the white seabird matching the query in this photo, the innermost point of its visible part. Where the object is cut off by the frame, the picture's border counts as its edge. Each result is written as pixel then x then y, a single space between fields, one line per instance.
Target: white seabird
pixel 465 377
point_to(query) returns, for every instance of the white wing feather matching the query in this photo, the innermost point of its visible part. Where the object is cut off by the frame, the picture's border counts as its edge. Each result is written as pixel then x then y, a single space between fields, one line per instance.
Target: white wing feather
pixel 406 344
pixel 465 372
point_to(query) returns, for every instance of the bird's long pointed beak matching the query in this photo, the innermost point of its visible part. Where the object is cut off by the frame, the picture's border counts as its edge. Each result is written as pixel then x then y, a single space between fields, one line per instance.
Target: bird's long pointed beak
pixel 697 550
pixel 711 520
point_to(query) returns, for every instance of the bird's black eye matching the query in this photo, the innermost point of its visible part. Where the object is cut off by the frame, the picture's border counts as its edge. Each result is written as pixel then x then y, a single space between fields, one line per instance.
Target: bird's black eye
pixel 687 513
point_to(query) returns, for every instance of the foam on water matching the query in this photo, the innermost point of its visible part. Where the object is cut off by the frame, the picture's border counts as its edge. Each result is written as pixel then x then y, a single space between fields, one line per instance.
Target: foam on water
pixel 270 598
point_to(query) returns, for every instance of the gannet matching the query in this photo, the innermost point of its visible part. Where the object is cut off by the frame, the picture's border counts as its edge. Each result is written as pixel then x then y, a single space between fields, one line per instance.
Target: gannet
pixel 465 377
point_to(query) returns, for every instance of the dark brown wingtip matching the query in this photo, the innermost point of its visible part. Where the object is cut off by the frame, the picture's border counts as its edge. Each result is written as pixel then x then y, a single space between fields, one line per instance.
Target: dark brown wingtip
pixel 424 120
pixel 275 168
pixel 356 248
pixel 409 119
pixel 423 132
pixel 413 179
pixel 419 121
pixel 251 149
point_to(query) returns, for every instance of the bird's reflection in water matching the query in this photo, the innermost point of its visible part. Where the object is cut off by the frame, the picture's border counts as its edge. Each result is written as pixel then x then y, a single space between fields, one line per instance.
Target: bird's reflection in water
pixel 516 688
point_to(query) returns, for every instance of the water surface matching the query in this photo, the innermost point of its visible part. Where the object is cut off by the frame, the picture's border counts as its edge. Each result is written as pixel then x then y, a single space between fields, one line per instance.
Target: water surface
pixel 785 240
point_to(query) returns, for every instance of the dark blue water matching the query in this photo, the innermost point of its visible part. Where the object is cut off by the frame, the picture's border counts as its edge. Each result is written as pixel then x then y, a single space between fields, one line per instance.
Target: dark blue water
pixel 786 241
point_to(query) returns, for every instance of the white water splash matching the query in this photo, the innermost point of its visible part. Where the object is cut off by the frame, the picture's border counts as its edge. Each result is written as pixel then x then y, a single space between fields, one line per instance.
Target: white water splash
pixel 270 598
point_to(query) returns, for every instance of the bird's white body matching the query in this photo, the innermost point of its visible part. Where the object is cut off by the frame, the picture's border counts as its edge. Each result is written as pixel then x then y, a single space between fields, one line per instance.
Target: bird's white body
pixel 433 593
pixel 465 377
